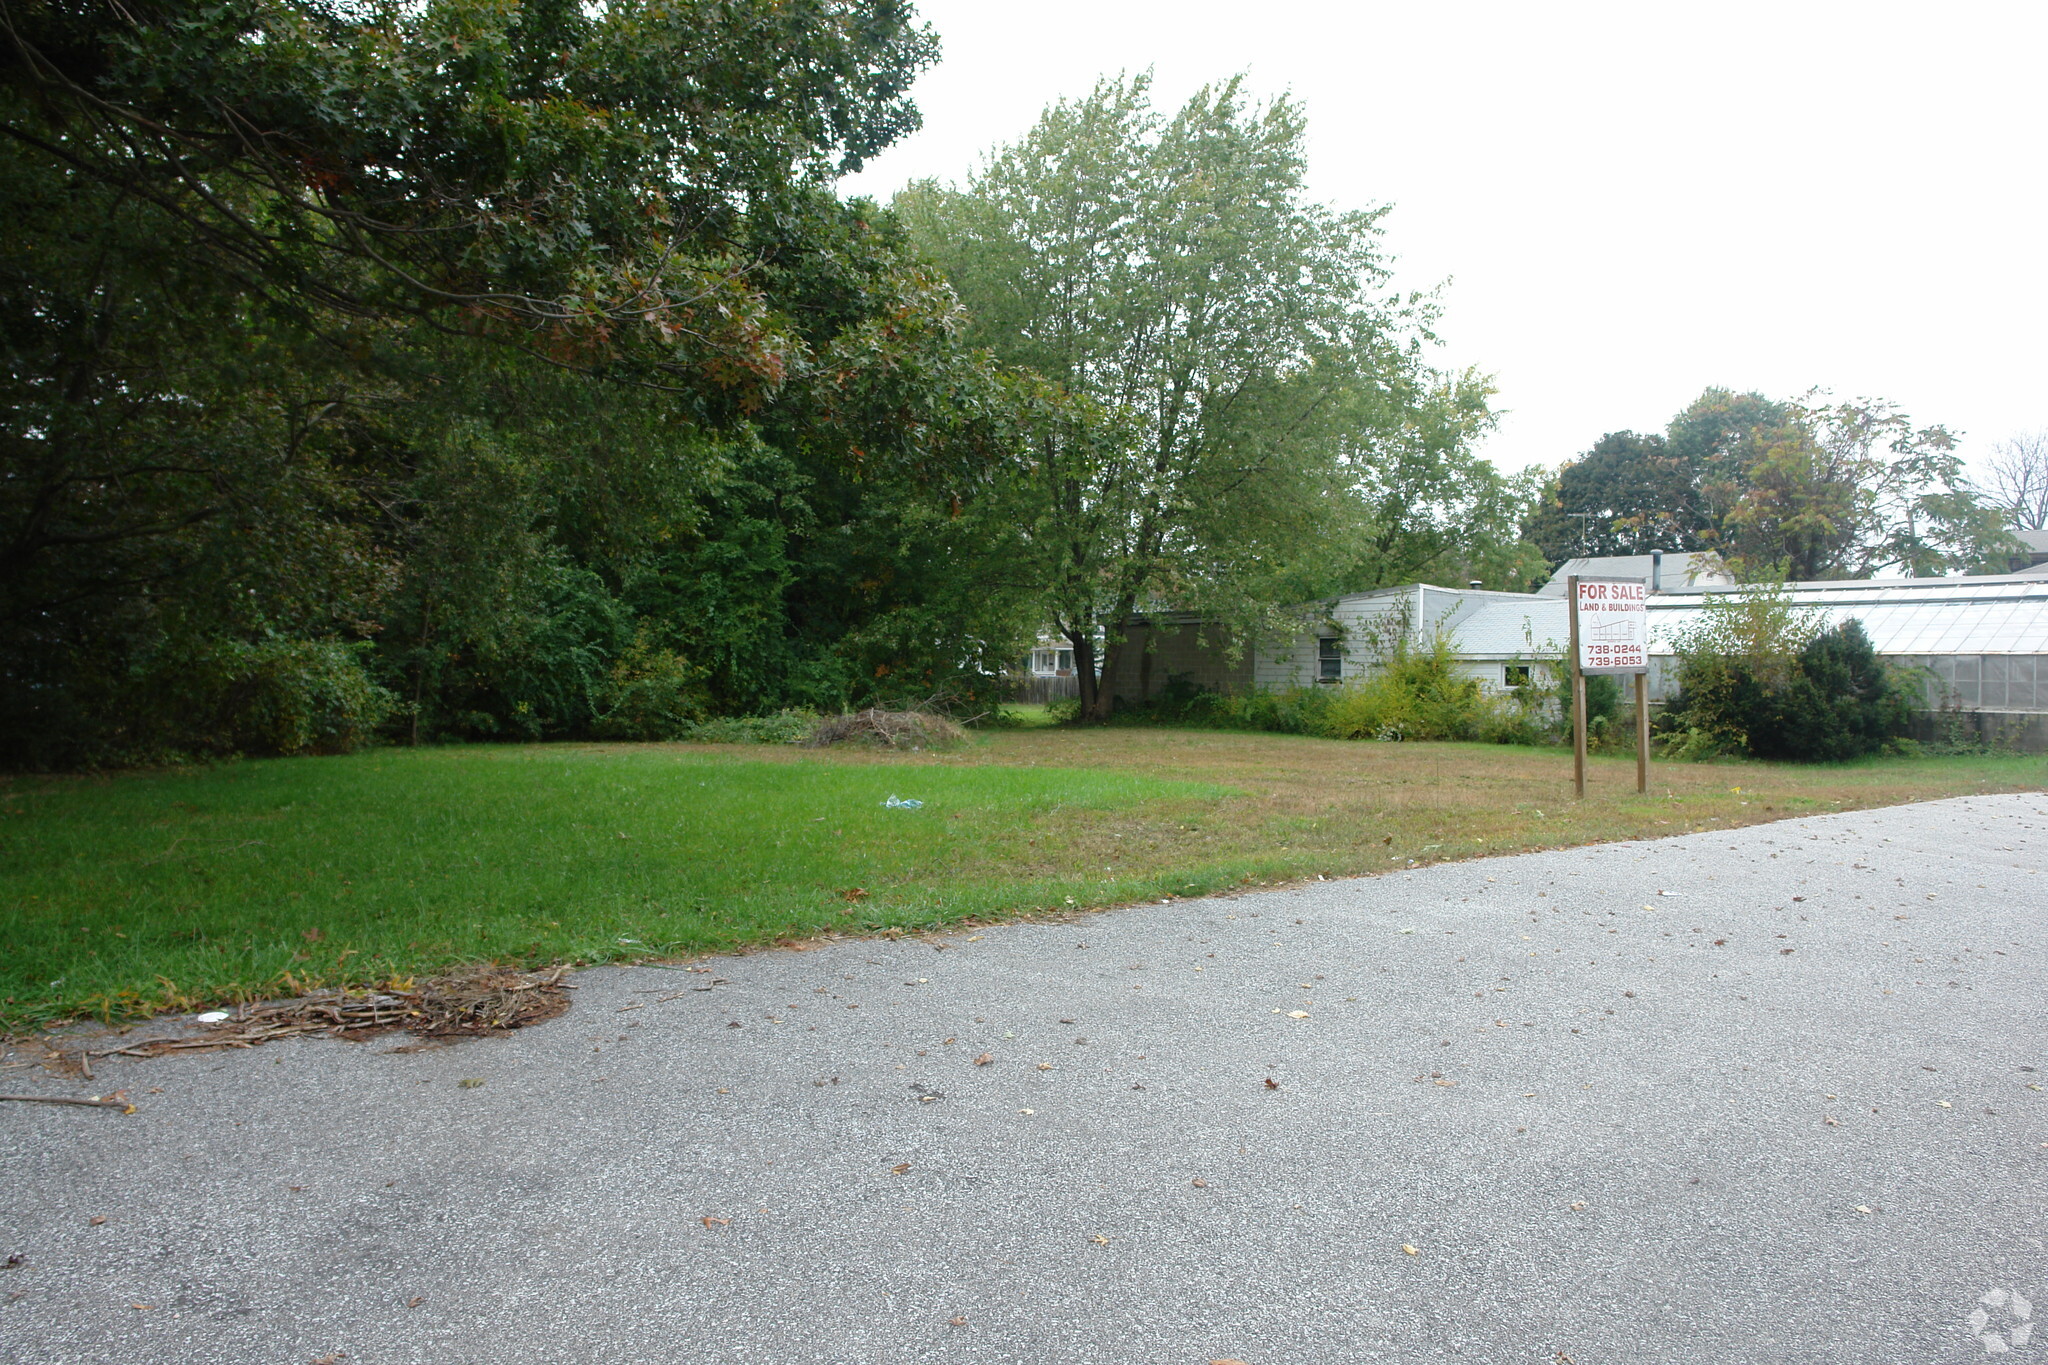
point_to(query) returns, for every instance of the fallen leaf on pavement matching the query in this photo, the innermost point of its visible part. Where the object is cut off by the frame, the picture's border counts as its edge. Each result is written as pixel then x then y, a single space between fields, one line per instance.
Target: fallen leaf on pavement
pixel 1297 1014
pixel 1099 1240
pixel 956 1322
pixel 709 1220
pixel 1272 1084
pixel 470 1082
pixel 1409 1249
pixel 1201 1184
pixel 416 1300
pixel 984 1059
pixel 96 1220
pixel 900 1168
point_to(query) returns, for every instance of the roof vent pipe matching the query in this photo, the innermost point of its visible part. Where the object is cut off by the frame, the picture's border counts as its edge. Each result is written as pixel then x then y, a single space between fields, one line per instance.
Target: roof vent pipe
pixel 1474 583
pixel 1656 571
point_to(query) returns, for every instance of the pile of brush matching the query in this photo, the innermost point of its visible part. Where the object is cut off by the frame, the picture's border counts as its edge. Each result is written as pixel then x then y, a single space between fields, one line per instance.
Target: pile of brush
pixel 472 1000
pixel 887 730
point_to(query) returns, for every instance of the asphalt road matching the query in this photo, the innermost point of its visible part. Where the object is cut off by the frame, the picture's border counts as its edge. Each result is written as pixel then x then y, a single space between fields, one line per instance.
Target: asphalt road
pixel 1768 1095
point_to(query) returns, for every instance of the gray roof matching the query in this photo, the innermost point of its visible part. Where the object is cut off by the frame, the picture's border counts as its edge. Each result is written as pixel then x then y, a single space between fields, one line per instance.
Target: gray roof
pixel 1987 614
pixel 2035 541
pixel 1529 628
pixel 1682 569
pixel 1991 614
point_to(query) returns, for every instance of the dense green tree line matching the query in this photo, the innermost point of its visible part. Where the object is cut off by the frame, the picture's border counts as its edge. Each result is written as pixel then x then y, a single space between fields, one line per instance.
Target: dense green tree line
pixel 1801 489
pixel 468 369
pixel 461 368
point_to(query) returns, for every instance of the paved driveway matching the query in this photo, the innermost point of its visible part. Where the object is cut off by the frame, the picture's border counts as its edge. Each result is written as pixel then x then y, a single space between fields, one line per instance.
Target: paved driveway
pixel 1760 1096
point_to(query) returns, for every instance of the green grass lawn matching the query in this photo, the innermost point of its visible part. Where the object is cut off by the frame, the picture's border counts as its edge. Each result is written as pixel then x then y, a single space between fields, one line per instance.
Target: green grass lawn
pixel 139 892
pixel 128 894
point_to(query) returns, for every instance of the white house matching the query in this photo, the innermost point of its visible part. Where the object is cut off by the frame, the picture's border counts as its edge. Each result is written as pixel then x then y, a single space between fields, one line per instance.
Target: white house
pixel 1498 636
pixel 1978 645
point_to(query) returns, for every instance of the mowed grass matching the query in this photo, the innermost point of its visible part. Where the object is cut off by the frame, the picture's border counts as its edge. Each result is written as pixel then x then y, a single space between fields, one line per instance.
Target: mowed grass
pixel 125 895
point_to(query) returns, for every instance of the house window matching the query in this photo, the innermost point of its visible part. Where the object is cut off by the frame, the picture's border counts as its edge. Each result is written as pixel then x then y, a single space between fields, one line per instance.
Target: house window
pixel 1066 663
pixel 1041 661
pixel 1515 675
pixel 1329 659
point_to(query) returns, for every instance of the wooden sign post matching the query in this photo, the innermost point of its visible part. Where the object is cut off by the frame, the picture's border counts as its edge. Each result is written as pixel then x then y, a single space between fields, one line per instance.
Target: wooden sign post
pixel 1614 638
pixel 1571 592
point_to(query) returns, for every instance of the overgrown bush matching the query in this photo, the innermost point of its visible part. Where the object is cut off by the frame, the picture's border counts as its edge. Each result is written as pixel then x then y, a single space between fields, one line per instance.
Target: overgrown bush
pixel 290 697
pixel 1285 711
pixel 1528 714
pixel 1842 703
pixel 783 727
pixel 266 697
pixel 1762 678
pixel 653 693
pixel 1417 693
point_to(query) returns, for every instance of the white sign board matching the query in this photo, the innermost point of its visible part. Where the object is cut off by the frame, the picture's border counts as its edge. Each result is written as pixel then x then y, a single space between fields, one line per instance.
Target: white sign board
pixel 1614 634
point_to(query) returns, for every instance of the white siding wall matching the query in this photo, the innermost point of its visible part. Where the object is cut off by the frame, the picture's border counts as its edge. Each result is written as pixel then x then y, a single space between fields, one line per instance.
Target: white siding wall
pixel 1296 662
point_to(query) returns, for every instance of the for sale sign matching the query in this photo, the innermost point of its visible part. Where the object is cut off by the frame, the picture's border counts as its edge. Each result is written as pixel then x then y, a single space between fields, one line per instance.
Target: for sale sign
pixel 1613 630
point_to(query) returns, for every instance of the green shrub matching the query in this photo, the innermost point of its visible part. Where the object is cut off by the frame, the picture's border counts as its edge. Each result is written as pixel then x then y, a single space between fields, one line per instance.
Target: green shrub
pixel 793 726
pixel 292 697
pixel 1064 710
pixel 266 697
pixel 652 693
pixel 1840 703
pixel 1527 714
pixel 1417 693
pixel 1285 711
pixel 1827 700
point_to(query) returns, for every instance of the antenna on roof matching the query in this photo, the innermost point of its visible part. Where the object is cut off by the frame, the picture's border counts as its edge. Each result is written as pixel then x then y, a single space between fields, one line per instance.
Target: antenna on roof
pixel 1584 519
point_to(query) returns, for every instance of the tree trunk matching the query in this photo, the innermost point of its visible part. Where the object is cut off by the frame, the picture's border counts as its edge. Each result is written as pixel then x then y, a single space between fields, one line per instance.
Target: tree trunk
pixel 1092 703
pixel 1105 691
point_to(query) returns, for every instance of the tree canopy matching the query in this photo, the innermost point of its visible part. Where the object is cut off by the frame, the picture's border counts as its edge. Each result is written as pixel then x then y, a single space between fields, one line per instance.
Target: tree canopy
pixel 1806 488
pixel 488 366
pixel 445 369
pixel 1240 400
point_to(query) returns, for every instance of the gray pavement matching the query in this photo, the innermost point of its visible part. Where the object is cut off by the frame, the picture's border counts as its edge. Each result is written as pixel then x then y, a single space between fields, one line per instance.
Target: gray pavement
pixel 1787 1112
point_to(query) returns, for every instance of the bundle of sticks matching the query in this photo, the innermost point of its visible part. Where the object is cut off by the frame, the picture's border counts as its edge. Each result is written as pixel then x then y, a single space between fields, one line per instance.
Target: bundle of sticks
pixel 475 1000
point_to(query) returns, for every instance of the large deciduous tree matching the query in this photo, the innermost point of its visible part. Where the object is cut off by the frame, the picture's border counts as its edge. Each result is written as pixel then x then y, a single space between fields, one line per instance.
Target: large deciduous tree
pixel 1221 354
pixel 1629 494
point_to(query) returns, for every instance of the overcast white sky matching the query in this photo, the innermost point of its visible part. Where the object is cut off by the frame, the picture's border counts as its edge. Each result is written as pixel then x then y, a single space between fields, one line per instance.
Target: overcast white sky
pixel 1630 201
